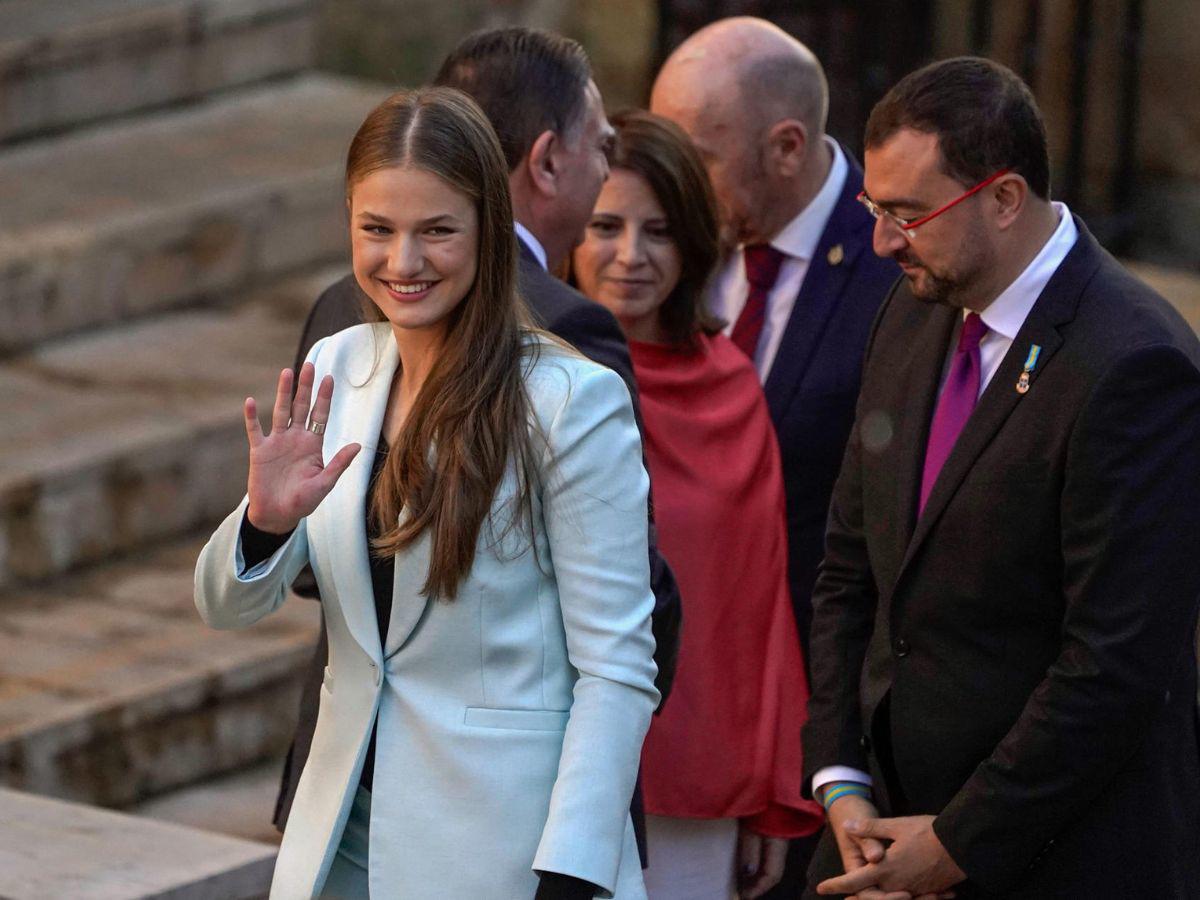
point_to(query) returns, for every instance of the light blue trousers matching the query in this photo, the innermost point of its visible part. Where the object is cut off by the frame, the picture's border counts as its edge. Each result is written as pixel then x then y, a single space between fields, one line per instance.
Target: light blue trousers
pixel 347 878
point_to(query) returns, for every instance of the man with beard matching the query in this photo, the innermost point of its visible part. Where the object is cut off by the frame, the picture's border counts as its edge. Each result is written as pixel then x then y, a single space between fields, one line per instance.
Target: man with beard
pixel 1004 684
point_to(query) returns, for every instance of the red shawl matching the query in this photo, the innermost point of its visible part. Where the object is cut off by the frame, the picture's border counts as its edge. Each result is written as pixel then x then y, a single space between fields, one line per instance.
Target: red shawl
pixel 727 743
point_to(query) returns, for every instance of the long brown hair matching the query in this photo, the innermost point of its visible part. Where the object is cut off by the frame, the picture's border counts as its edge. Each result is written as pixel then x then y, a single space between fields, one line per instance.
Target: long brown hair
pixel 471 416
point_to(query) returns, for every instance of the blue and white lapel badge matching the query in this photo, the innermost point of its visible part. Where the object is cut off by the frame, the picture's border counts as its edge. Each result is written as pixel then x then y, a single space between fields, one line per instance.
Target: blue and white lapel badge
pixel 1030 362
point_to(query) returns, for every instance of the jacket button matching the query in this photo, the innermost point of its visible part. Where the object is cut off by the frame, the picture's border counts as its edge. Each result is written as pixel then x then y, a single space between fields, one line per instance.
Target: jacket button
pixel 901 647
pixel 865 743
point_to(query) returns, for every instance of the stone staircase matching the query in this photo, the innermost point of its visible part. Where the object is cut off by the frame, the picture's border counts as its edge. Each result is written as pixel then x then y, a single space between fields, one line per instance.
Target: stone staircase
pixel 55 850
pixel 63 64
pixel 170 206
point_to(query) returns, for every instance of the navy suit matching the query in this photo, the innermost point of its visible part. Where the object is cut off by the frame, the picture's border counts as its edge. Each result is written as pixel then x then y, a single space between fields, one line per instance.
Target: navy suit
pixel 813 383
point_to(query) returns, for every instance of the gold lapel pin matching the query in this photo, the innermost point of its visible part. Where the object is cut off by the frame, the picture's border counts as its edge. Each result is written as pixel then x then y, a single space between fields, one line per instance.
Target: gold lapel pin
pixel 1030 361
pixel 836 255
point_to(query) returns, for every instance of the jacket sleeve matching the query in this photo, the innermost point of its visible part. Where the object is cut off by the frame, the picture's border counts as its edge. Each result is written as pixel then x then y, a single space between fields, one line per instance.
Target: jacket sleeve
pixel 844 605
pixel 596 334
pixel 594 489
pixel 844 601
pixel 1130 513
pixel 226 596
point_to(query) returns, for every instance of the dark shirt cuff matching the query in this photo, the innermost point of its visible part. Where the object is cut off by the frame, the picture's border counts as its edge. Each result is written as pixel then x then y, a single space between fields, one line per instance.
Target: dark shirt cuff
pixel 556 886
pixel 259 546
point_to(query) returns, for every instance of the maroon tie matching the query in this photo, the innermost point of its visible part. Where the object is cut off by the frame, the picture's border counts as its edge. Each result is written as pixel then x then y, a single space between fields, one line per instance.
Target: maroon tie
pixel 762 268
pixel 955 405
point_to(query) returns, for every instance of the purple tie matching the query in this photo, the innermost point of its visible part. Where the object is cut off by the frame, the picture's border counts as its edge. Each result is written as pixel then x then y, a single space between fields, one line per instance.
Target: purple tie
pixel 762 268
pixel 955 405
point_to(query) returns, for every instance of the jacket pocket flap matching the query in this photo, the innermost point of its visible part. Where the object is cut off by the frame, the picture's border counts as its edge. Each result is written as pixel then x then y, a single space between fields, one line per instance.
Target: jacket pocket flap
pixel 520 719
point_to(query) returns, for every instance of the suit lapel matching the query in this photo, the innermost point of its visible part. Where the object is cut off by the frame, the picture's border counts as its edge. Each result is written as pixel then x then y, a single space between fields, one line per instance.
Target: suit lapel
pixel 359 406
pixel 408 603
pixel 1054 308
pixel 847 234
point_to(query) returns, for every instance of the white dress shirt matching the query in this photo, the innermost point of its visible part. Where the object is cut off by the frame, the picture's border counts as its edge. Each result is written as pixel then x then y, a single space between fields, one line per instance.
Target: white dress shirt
pixel 1004 317
pixel 535 246
pixel 797 241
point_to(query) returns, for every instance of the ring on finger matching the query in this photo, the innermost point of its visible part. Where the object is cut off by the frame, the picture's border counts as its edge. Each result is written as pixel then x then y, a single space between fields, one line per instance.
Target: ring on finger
pixel 316 427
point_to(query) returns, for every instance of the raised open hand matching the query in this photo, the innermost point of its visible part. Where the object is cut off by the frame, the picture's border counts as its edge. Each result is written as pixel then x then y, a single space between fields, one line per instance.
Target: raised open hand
pixel 288 477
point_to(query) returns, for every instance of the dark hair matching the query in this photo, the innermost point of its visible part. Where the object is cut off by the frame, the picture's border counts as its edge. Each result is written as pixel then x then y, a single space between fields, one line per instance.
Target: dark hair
pixel 472 406
pixel 660 152
pixel 526 82
pixel 984 117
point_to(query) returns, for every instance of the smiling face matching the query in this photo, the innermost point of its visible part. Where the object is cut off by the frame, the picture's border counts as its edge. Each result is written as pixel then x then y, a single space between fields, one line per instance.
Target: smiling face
pixel 628 261
pixel 414 242
pixel 946 259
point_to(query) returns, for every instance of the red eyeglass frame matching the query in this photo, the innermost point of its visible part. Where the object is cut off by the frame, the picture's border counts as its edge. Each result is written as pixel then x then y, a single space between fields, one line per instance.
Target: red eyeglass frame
pixel 909 226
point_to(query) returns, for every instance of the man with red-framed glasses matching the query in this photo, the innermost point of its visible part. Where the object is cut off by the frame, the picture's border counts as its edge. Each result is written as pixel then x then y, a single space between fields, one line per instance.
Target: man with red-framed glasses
pixel 1004 686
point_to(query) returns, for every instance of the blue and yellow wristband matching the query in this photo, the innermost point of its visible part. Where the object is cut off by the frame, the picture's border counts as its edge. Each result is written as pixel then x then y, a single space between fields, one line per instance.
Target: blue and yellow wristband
pixel 840 789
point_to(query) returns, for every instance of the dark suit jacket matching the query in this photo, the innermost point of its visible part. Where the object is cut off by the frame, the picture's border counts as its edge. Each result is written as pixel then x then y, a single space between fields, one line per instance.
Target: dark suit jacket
pixel 594 332
pixel 1025 647
pixel 814 379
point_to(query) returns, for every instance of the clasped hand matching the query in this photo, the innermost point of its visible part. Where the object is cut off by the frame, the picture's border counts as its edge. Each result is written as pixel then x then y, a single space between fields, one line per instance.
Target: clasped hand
pixel 888 859
pixel 288 475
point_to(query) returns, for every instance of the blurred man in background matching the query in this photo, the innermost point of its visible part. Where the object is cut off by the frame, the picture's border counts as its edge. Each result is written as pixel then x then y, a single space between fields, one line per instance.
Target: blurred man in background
pixel 800 286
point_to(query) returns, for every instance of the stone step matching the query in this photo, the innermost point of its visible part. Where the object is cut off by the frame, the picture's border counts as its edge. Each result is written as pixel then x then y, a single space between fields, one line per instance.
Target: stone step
pixel 112 690
pixel 174 208
pixel 62 64
pixel 135 434
pixel 52 850
pixel 240 804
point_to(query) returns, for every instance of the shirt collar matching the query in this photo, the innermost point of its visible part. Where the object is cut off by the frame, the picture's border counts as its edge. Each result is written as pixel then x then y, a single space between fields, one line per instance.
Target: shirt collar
pixel 534 245
pixel 1007 313
pixel 799 237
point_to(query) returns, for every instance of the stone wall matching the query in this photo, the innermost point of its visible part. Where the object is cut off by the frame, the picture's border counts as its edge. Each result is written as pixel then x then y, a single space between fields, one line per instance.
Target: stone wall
pixel 1163 207
pixel 402 42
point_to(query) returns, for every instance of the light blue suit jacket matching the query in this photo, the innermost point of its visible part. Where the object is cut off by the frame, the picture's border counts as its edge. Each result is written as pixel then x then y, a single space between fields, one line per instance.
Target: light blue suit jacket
pixel 510 720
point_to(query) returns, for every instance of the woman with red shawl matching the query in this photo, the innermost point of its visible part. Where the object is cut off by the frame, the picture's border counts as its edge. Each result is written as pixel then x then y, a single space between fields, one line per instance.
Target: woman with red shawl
pixel 721 763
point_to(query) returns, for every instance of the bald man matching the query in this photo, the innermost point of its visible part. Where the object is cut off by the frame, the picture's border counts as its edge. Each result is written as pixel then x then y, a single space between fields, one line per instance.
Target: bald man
pixel 800 285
